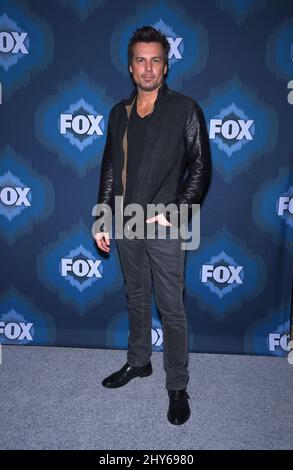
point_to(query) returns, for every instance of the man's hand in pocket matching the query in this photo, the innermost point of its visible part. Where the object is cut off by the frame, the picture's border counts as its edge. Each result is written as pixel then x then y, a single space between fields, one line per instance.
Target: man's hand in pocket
pixel 161 219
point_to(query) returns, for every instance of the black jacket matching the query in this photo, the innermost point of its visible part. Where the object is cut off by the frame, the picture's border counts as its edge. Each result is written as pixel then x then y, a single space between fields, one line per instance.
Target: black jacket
pixel 176 164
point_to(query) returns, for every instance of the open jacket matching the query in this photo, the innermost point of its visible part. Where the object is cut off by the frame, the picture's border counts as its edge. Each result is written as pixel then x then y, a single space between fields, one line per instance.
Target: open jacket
pixel 176 164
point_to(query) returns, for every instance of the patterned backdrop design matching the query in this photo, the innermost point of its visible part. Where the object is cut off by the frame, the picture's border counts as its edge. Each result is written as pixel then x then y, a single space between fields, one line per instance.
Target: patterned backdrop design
pixel 63 65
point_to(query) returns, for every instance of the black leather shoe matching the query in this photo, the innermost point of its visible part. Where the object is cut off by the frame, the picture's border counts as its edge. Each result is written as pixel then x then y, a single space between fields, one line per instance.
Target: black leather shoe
pixel 179 410
pixel 125 374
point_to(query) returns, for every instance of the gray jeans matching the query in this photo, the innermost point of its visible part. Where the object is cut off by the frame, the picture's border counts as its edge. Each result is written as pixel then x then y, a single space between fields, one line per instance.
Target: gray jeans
pixel 164 260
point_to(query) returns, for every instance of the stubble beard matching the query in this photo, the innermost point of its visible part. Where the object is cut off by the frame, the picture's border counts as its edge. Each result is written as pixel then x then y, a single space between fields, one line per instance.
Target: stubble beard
pixel 150 87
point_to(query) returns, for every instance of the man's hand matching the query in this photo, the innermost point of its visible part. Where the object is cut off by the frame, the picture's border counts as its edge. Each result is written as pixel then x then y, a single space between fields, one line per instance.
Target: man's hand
pixel 103 241
pixel 161 220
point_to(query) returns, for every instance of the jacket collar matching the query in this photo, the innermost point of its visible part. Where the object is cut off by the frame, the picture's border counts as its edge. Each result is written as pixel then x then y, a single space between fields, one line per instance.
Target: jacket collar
pixel 161 92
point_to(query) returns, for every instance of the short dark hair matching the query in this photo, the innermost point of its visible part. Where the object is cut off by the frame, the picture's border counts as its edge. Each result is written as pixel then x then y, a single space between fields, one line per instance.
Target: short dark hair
pixel 148 34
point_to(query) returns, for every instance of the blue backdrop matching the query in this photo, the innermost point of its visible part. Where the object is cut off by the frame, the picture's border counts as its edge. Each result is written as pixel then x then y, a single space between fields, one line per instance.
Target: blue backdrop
pixel 63 65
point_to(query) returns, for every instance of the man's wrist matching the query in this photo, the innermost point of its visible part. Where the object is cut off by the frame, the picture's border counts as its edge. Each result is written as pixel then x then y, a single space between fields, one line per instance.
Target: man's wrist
pixel 173 216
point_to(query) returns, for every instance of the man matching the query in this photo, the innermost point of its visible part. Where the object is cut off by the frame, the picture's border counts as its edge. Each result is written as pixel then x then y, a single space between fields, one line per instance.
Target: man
pixel 153 138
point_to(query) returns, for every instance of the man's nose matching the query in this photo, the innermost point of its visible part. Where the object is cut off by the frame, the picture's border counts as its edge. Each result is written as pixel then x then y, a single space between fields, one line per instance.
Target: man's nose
pixel 149 66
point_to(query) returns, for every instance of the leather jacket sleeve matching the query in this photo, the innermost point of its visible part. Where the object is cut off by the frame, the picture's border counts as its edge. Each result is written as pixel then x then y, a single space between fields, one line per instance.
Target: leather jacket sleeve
pixel 198 161
pixel 106 173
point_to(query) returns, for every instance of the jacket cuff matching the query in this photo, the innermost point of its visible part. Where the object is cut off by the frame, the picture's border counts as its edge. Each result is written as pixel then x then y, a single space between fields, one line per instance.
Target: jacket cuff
pixel 106 224
pixel 174 214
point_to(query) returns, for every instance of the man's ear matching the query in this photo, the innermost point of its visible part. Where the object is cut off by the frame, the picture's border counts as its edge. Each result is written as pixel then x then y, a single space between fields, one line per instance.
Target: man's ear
pixel 130 68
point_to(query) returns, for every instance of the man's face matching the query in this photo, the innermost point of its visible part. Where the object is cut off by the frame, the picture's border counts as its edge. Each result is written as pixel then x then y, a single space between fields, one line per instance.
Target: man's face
pixel 147 66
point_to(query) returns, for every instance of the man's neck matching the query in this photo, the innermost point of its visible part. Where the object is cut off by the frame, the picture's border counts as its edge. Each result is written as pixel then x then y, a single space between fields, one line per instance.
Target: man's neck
pixel 147 98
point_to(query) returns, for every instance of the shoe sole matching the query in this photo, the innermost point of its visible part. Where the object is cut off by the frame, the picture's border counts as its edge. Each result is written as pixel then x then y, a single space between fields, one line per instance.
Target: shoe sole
pixel 145 374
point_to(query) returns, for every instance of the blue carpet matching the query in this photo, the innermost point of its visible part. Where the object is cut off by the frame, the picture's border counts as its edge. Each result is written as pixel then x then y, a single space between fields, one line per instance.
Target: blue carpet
pixel 52 398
